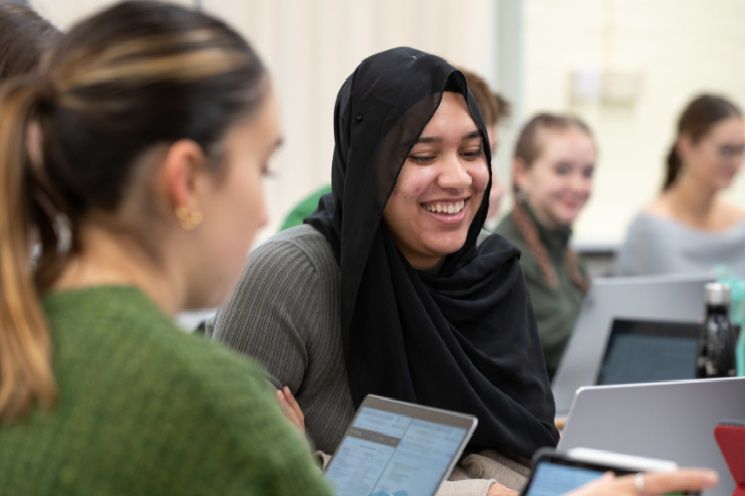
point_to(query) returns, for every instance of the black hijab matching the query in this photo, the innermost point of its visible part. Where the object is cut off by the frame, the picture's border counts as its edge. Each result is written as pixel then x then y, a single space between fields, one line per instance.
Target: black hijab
pixel 462 337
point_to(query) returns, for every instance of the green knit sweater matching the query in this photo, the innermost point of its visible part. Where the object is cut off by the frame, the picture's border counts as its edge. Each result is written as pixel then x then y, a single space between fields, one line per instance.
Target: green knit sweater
pixel 145 409
pixel 555 309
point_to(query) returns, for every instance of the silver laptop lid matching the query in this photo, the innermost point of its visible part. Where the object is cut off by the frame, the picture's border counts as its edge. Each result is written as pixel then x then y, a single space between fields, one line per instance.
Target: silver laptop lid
pixel 669 298
pixel 671 420
pixel 394 448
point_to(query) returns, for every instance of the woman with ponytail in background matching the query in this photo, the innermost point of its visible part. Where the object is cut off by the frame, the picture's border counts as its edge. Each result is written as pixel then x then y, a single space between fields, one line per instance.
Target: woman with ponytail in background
pixel 690 228
pixel 553 168
pixel 131 160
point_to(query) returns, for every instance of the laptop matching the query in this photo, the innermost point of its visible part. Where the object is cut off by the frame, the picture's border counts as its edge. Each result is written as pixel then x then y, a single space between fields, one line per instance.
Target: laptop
pixel 672 420
pixel 649 351
pixel 675 298
pixel 397 448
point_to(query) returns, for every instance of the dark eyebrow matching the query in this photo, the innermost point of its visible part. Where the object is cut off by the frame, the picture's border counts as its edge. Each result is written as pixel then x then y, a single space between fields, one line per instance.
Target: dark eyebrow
pixel 436 139
pixel 429 139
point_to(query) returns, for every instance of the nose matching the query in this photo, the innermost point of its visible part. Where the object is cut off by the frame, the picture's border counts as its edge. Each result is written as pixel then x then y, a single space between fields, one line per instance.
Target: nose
pixel 454 174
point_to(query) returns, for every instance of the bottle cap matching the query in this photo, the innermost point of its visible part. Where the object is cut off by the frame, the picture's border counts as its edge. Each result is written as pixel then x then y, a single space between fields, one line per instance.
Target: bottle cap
pixel 717 293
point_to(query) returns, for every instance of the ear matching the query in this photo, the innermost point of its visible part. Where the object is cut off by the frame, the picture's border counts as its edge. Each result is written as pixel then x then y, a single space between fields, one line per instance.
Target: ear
pixel 182 169
pixel 519 173
pixel 684 147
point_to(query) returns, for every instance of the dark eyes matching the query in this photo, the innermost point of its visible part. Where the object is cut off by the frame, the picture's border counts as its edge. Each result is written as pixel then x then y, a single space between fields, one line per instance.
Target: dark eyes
pixel 422 159
pixel 730 151
pixel 267 171
pixel 563 169
pixel 428 158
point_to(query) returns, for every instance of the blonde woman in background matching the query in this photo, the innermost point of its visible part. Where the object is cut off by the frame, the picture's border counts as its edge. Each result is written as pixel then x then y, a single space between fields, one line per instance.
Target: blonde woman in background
pixel 554 162
pixel 690 227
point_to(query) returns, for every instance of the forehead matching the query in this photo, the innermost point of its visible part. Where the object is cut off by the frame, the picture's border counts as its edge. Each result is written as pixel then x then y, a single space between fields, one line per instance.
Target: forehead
pixel 265 122
pixel 570 143
pixel 451 117
pixel 732 129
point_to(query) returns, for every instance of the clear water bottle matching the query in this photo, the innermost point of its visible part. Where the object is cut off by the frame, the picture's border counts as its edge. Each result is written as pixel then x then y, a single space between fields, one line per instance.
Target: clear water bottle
pixel 716 356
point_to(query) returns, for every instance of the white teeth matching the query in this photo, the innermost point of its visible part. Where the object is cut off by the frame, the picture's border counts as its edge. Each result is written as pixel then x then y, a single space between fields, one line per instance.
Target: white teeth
pixel 449 208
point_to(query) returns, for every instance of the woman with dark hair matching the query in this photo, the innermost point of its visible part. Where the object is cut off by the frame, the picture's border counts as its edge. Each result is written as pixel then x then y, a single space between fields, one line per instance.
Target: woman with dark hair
pixel 390 287
pixel 690 227
pixel 552 181
pixel 24 38
pixel 132 158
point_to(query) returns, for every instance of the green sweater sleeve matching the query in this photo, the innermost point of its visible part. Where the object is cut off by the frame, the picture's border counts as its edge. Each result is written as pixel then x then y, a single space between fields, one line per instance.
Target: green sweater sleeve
pixel 246 446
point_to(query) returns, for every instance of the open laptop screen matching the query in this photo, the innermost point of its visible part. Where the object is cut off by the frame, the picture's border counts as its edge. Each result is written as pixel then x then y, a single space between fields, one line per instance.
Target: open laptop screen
pixel 397 448
pixel 649 351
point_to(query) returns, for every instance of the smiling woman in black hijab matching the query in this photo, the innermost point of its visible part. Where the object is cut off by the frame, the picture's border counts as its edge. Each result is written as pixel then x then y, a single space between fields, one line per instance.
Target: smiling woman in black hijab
pixel 390 289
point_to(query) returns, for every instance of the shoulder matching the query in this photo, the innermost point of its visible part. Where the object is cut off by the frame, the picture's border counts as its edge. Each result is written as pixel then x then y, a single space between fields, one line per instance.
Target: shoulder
pixel 299 256
pixel 659 207
pixel 728 214
pixel 300 244
pixel 646 222
pixel 508 229
pixel 138 354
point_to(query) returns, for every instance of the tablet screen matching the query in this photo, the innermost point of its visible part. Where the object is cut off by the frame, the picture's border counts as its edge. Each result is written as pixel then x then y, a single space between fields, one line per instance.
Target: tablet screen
pixel 551 479
pixel 553 475
pixel 391 453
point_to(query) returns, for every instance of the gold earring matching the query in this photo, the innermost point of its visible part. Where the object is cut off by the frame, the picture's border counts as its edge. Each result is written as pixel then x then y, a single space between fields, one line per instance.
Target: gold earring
pixel 189 220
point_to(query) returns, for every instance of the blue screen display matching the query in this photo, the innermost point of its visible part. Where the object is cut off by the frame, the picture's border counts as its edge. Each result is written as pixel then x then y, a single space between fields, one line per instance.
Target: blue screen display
pixel 551 479
pixel 385 453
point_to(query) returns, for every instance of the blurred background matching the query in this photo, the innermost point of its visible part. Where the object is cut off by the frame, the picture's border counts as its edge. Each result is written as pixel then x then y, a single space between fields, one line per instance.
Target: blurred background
pixel 626 66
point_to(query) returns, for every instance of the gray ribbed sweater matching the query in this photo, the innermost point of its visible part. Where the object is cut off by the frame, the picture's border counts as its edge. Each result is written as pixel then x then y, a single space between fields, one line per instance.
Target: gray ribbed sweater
pixel 284 313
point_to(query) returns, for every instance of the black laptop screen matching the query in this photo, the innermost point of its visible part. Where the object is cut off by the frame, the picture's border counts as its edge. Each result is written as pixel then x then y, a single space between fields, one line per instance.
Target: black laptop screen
pixel 649 351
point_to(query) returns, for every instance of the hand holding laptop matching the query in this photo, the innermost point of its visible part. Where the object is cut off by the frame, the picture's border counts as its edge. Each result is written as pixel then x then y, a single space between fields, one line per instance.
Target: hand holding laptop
pixel 653 483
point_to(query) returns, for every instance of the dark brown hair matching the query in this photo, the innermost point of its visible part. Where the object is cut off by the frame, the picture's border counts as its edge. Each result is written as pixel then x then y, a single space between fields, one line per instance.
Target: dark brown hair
pixel 528 148
pixel 137 75
pixel 697 119
pixel 24 38
pixel 492 106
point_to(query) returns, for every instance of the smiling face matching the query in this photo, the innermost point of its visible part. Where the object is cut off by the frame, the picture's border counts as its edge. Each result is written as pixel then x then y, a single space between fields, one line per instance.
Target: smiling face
pixel 558 183
pixel 440 187
pixel 716 158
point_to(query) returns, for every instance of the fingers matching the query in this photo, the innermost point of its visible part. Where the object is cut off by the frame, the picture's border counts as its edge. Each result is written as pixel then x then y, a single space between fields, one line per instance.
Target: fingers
pixel 599 487
pixel 497 489
pixel 682 480
pixel 292 402
pixel 283 404
pixel 290 407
